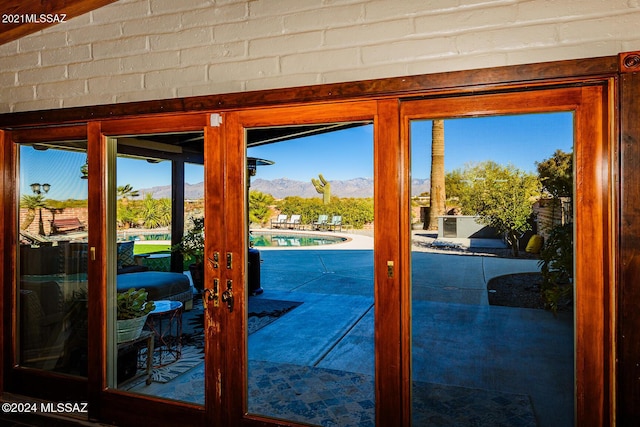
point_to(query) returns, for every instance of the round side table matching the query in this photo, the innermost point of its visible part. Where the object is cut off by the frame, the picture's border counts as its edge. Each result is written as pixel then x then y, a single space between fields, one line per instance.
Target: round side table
pixel 166 324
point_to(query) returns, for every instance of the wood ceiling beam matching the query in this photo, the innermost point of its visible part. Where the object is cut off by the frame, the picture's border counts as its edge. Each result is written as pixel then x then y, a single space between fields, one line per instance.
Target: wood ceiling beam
pixel 23 17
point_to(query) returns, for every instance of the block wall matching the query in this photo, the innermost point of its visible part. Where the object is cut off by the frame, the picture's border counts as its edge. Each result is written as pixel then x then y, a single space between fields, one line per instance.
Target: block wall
pixel 135 50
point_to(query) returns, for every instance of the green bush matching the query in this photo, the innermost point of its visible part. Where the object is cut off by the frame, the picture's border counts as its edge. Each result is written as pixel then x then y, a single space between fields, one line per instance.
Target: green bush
pixel 556 263
pixel 354 211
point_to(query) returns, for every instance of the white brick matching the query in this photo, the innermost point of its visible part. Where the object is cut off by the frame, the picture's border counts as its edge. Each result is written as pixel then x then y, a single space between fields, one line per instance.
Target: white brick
pixel 120 48
pixel 213 53
pixel 261 9
pixel 68 55
pixel 88 100
pixel 151 61
pixel 408 51
pixel 151 25
pixel 327 17
pixel 20 61
pixel 5 107
pixel 7 79
pixel 368 34
pixel 168 78
pixel 94 33
pixel 42 75
pixel 60 90
pixel 119 12
pixel 17 93
pixel 30 105
pixel 580 31
pixel 10 48
pixel 284 81
pixel 42 41
pixel 323 61
pixel 179 40
pixel 165 6
pixel 115 84
pixel 507 39
pixel 562 52
pixel 146 95
pixel 355 74
pixel 385 9
pixel 247 30
pixel 286 44
pixel 246 70
pixel 228 86
pixel 466 20
pixel 84 70
pixel 211 16
pixel 558 11
pixel 70 23
pixel 455 63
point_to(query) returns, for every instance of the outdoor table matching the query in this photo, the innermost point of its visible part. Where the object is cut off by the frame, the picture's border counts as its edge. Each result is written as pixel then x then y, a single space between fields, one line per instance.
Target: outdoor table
pixel 166 324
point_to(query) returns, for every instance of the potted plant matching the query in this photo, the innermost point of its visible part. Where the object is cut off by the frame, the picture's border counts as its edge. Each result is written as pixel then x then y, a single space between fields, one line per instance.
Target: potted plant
pixel 133 309
pixel 192 249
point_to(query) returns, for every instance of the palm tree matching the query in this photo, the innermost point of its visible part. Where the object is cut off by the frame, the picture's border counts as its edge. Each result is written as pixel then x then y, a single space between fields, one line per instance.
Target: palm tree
pixel 126 191
pixel 32 204
pixel 437 192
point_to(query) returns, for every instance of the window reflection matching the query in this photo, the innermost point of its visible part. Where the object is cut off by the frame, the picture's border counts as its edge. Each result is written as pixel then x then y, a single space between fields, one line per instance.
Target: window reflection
pixel 52 253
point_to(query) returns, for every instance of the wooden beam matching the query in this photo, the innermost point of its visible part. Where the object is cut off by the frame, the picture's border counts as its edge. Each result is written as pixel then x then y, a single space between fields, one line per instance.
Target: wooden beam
pixel 30 16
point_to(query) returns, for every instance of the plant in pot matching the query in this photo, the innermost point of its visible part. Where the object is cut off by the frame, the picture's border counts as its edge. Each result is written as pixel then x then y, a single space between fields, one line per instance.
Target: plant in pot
pixel 133 309
pixel 192 249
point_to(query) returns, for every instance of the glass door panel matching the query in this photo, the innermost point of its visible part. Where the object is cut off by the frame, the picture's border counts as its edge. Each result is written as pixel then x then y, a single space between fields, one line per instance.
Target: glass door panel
pixel 310 309
pixel 163 356
pixel 492 307
pixel 52 253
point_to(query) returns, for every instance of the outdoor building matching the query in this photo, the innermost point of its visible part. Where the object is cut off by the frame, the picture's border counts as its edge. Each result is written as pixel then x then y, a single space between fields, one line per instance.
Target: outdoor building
pixel 99 95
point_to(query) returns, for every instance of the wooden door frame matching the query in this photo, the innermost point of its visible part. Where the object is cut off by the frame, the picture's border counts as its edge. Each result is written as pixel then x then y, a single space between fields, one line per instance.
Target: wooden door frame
pixel 620 72
pixel 594 238
pixel 384 115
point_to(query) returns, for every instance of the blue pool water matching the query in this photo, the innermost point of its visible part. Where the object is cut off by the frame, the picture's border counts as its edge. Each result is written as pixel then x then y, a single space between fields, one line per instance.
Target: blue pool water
pixel 262 239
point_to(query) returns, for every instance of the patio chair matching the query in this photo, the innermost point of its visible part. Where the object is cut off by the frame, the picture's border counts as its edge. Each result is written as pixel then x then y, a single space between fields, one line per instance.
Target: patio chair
pixel 279 222
pixel 336 221
pixel 321 222
pixel 294 222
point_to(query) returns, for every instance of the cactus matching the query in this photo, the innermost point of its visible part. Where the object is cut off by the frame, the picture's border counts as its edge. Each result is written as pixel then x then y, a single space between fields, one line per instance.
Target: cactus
pixel 323 187
pixel 133 303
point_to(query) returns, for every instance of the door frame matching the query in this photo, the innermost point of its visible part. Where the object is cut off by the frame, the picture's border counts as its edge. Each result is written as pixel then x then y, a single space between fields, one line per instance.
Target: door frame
pixel 620 315
pixel 386 246
pixel 593 218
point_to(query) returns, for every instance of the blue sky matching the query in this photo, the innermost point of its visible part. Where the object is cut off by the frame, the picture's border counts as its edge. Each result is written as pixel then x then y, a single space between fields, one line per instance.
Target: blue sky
pixel 519 140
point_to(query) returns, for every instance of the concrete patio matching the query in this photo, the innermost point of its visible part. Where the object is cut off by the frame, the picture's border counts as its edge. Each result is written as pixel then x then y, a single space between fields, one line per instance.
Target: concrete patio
pixel 459 340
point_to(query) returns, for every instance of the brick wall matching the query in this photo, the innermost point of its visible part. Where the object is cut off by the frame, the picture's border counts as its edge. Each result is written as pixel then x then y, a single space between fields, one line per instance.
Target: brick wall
pixel 136 50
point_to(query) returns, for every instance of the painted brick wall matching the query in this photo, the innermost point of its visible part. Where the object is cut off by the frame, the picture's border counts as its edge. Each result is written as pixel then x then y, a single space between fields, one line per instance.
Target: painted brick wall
pixel 151 49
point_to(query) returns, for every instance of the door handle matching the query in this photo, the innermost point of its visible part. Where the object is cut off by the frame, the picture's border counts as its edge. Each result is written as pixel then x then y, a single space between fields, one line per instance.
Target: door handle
pixel 212 294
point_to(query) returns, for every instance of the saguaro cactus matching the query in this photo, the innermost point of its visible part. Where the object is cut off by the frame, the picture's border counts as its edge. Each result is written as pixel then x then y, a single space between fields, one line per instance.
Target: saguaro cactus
pixel 323 187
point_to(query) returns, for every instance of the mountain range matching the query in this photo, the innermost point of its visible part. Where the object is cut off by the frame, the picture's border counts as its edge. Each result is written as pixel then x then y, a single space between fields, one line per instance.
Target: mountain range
pixel 283 187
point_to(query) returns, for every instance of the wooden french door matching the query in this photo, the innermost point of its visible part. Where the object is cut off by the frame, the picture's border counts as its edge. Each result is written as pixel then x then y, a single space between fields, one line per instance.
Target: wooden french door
pixel 227 251
pixel 592 219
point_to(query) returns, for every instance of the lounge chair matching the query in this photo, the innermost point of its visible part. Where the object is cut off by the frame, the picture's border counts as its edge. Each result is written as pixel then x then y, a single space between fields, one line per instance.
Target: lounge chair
pixel 321 222
pixel 279 222
pixel 294 222
pixel 336 221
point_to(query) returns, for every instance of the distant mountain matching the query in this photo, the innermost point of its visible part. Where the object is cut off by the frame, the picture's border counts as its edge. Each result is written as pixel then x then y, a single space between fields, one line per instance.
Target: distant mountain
pixel 283 187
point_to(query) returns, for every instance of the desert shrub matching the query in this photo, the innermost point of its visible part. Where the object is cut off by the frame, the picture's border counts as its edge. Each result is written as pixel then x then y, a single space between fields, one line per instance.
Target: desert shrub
pixel 556 263
pixel 354 211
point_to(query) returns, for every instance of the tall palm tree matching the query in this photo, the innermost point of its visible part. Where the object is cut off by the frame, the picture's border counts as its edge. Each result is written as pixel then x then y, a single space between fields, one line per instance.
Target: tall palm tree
pixel 437 193
pixel 32 203
pixel 126 191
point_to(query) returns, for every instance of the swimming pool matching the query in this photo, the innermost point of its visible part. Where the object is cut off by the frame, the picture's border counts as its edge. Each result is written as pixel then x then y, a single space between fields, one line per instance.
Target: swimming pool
pixel 279 239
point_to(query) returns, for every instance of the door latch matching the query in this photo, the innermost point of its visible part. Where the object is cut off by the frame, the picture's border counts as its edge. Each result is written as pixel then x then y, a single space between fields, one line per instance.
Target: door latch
pixel 227 296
